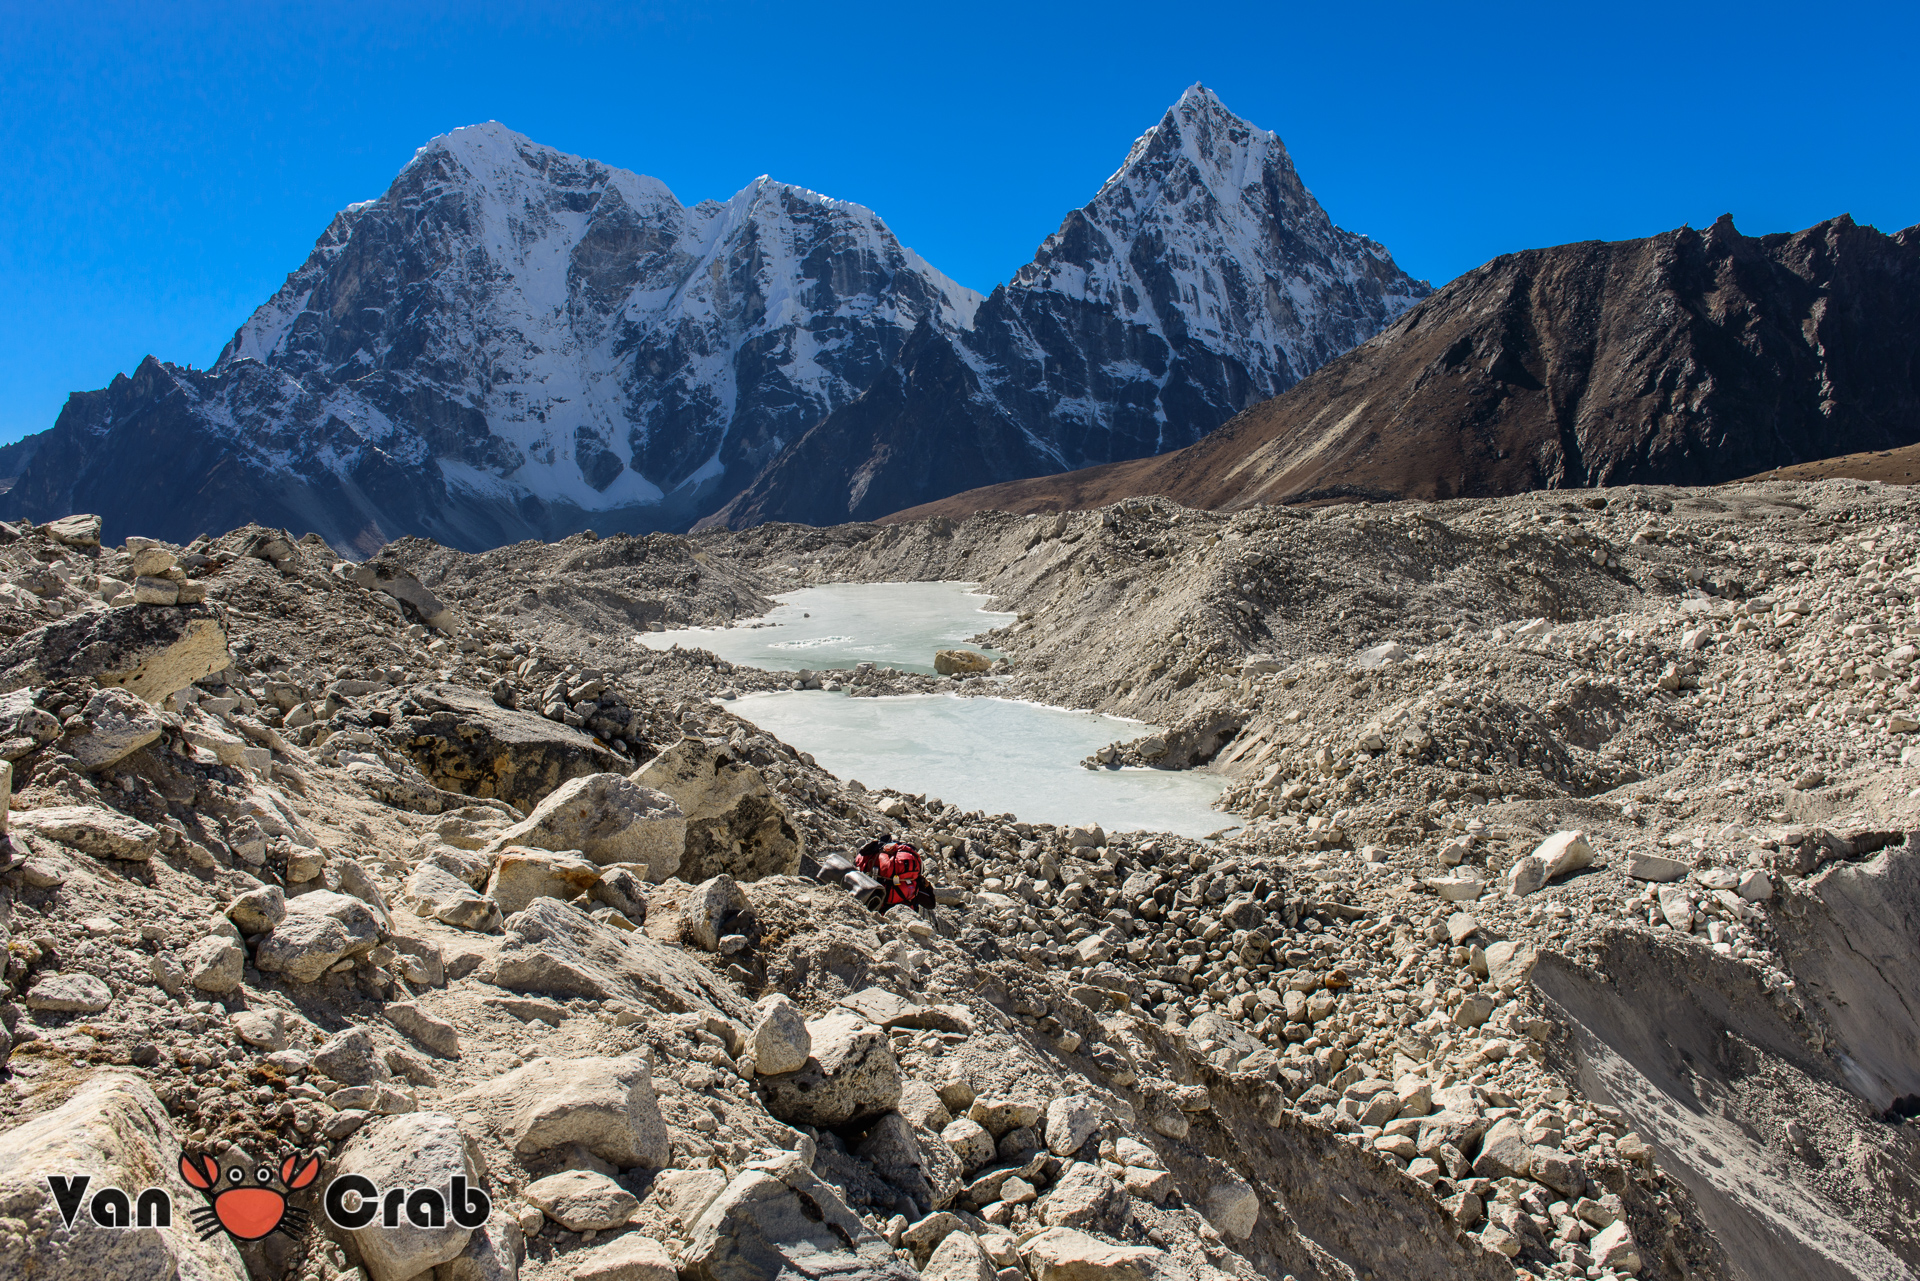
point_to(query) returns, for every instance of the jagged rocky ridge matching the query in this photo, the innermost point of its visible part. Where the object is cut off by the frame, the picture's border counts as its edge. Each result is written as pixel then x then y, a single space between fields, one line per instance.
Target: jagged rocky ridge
pixel 1203 278
pixel 513 342
pixel 1693 357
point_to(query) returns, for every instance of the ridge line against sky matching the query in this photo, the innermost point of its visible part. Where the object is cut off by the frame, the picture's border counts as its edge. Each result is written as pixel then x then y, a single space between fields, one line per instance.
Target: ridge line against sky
pixel 168 164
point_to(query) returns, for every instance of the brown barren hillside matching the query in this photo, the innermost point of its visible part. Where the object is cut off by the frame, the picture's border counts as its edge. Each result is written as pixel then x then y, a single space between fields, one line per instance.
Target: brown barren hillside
pixel 1688 358
pixel 1891 466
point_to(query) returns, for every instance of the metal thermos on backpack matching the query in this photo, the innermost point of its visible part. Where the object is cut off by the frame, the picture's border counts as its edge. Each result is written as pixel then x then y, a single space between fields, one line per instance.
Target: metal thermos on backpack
pixel 838 869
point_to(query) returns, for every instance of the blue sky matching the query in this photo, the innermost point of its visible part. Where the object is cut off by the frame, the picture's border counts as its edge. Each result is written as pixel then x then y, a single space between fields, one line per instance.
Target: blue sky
pixel 163 166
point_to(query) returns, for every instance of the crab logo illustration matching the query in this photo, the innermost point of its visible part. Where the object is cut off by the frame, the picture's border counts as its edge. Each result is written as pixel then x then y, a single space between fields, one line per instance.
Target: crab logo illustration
pixel 248 1205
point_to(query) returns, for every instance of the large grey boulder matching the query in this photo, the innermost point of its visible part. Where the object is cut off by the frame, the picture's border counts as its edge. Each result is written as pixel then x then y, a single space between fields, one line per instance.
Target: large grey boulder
pixel 116 725
pixel 434 891
pixel 623 888
pixel 152 651
pixel 357 882
pixel 264 1028
pixel 1233 1207
pixel 69 994
pixel 258 910
pixel 209 734
pixel 522 875
pixel 554 948
pixel 23 725
pixel 320 930
pixel 912 1159
pixel 971 1143
pixel 939 1165
pixel 303 947
pixel 1559 854
pixel 631 1257
pixel 215 964
pixel 91 829
pixel 384 576
pixel 960 662
pixel 852 1074
pixel 116 1134
pixel 707 908
pixel 427 1028
pixel 361 920
pixel 959 1257
pixel 1001 1114
pixel 608 819
pixel 687 1193
pixel 582 1200
pixel 1062 1254
pixel 1071 1121
pixel 351 1058
pixel 464 743
pixel 413 1150
pixel 1642 866
pixel 1085 1196
pixel 605 1105
pixel 1504 1152
pixel 920 1103
pixel 780 1040
pixel 735 822
pixel 777 1217
pixel 79 530
pixel 492 1253
pixel 1509 962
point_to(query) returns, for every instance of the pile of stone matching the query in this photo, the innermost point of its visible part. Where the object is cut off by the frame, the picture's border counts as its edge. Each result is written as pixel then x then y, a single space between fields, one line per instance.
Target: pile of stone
pixel 391 862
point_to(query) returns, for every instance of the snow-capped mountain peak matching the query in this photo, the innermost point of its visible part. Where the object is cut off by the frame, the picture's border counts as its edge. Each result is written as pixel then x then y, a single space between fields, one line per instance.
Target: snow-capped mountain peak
pixel 1207 230
pixel 595 325
pixel 1202 128
pixel 512 341
pixel 1202 278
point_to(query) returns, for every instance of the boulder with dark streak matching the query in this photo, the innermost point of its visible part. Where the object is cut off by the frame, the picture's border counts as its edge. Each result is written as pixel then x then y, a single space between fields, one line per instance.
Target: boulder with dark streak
pixel 464 742
pixel 152 650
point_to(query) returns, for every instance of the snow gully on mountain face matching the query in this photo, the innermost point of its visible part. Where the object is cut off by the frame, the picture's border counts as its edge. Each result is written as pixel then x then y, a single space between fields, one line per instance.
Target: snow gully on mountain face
pixel 1201 279
pixel 513 342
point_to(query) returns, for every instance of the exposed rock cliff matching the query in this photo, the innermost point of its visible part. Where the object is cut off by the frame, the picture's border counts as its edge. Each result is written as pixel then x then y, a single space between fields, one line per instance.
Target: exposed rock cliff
pixel 1692 357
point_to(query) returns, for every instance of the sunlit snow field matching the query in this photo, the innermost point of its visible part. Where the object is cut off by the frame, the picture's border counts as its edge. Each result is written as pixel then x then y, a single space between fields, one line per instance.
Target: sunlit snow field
pixel 990 754
pixel 886 624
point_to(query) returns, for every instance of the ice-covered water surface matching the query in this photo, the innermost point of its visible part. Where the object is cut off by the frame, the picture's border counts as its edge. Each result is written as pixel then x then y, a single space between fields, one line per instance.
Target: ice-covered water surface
pixel 886 624
pixel 990 754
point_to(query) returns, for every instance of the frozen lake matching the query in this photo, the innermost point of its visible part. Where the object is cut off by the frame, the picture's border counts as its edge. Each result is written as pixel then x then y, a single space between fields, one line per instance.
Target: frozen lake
pixel 990 754
pixel 886 624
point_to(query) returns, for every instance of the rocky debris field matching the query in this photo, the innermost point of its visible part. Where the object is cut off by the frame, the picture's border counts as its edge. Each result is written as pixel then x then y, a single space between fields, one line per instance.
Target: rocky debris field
pixel 1565 926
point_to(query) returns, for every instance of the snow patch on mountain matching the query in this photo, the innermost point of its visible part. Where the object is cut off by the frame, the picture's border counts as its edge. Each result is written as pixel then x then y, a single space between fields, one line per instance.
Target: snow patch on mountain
pixel 1202 278
pixel 515 342
pixel 497 253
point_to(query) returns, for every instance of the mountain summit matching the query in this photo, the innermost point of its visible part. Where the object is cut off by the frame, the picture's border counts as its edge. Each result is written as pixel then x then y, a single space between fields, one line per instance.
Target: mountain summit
pixel 1694 357
pixel 1203 278
pixel 513 342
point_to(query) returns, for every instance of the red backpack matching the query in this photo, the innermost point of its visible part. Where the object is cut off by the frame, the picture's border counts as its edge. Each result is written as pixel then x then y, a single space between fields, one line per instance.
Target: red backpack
pixel 898 868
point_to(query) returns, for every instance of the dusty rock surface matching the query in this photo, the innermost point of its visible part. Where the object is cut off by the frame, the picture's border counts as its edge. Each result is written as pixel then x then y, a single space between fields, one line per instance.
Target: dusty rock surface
pixel 1562 921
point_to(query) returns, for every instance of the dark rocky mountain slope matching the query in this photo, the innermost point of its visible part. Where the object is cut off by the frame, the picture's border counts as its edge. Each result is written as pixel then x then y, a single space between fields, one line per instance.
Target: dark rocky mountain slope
pixel 1692 357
